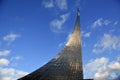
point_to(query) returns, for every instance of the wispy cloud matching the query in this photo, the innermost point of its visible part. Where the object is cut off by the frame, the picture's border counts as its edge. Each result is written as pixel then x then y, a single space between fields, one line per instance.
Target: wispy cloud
pixel 103 22
pixel 5 52
pixel 57 24
pixel 48 3
pixel 107 42
pixel 61 4
pixel 97 23
pixel 86 34
pixel 103 69
pixel 10 37
pixel 100 22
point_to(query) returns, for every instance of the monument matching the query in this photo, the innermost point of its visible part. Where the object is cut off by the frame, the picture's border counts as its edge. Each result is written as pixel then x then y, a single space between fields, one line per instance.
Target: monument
pixel 67 65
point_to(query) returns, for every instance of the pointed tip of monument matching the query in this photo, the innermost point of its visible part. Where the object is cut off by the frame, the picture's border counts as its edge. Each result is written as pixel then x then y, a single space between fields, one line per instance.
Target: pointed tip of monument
pixel 78 12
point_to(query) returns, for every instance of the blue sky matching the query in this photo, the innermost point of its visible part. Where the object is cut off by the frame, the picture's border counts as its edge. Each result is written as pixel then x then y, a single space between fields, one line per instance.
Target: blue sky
pixel 32 32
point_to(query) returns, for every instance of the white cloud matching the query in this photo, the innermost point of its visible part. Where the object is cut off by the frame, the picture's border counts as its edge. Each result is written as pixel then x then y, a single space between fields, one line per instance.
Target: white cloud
pixel 108 42
pixel 97 23
pixel 10 37
pixel 4 52
pixel 102 69
pixel 5 72
pixel 95 64
pixel 4 62
pixel 101 75
pixel 110 72
pixel 61 4
pixel 48 3
pixel 114 66
pixel 86 34
pixel 11 74
pixel 19 74
pixel 100 22
pixel 57 24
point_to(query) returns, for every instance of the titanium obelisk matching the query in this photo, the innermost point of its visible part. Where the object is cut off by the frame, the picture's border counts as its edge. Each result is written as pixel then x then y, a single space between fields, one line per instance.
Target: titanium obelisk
pixel 67 65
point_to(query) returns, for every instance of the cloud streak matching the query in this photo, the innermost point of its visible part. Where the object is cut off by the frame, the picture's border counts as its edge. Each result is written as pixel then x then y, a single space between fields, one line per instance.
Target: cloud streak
pixel 100 22
pixel 61 4
pixel 103 22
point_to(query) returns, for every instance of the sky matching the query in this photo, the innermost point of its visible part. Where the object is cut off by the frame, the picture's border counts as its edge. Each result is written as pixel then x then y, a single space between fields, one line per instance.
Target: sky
pixel 32 32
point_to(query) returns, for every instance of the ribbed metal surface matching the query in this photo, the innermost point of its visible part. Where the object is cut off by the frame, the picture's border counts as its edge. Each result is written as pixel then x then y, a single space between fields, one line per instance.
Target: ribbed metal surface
pixel 67 65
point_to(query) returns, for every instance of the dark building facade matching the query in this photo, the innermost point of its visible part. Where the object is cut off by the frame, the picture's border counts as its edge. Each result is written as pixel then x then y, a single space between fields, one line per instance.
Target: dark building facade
pixel 67 65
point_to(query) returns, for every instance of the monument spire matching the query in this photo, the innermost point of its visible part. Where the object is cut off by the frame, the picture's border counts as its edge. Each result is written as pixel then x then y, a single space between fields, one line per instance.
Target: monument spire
pixel 67 65
pixel 75 38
